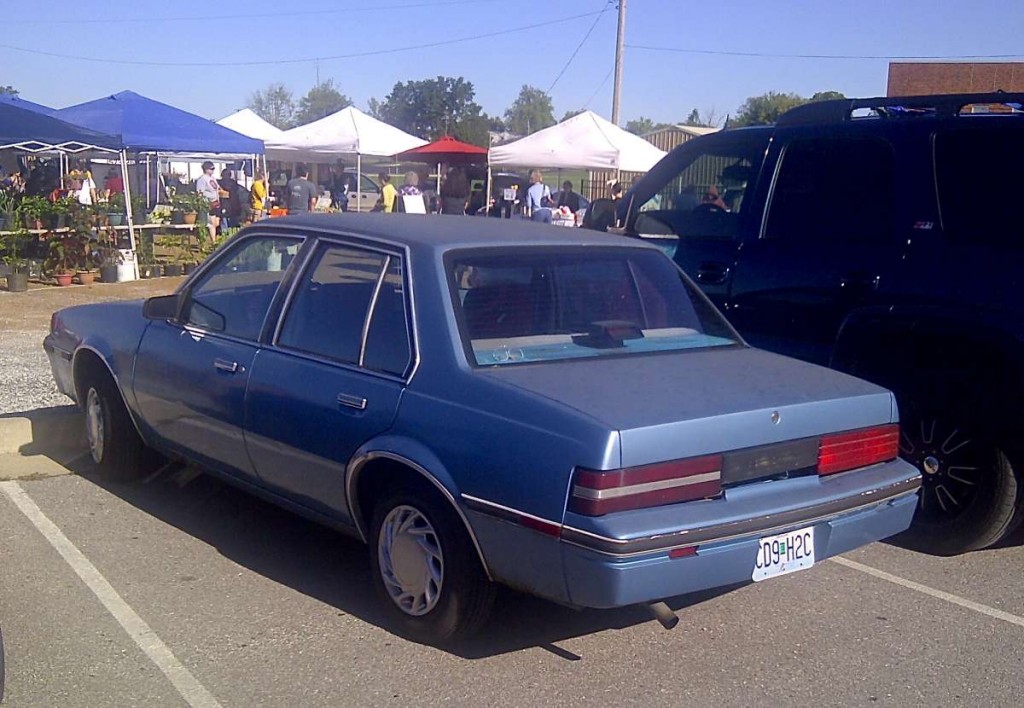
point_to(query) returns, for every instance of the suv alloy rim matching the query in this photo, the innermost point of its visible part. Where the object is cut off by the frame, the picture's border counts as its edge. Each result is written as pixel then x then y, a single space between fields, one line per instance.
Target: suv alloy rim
pixel 951 464
pixel 411 561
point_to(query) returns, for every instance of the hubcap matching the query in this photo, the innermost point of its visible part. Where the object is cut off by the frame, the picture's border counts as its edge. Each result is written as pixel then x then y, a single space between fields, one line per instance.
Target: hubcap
pixel 95 428
pixel 952 461
pixel 411 562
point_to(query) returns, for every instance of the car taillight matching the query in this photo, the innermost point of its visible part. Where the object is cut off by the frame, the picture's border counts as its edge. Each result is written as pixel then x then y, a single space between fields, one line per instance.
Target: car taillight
pixel 858 448
pixel 595 493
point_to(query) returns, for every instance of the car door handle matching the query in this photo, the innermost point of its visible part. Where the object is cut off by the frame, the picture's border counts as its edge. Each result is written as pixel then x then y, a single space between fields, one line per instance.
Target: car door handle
pixel 350 401
pixel 712 273
pixel 224 365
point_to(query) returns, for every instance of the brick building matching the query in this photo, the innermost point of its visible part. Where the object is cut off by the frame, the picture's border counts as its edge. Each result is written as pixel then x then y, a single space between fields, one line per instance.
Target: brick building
pixel 922 78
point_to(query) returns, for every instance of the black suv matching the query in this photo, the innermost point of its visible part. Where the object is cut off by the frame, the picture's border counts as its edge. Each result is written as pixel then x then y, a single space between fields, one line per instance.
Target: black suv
pixel 883 237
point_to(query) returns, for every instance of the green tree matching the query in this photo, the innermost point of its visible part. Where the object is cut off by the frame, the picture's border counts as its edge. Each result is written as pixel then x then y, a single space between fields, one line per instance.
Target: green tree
pixel 827 96
pixel 572 114
pixel 531 111
pixel 766 108
pixel 274 104
pixel 640 125
pixel 321 101
pixel 434 107
pixel 9 90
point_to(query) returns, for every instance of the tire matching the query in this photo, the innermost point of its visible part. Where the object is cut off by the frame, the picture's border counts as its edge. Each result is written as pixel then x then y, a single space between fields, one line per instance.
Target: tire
pixel 970 494
pixel 425 568
pixel 114 444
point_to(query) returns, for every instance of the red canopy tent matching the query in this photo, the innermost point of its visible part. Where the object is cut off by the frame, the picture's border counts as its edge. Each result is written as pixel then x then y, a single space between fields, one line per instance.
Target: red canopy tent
pixel 446 150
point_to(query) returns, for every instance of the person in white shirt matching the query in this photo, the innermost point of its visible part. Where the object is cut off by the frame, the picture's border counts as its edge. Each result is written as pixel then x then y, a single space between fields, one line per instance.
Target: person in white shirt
pixel 207 186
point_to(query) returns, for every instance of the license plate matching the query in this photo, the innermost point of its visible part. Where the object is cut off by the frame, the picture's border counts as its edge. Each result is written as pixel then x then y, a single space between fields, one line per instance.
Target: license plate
pixel 785 553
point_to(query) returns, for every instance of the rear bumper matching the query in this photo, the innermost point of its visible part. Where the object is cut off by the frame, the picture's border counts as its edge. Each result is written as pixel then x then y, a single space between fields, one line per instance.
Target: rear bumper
pixel 598 576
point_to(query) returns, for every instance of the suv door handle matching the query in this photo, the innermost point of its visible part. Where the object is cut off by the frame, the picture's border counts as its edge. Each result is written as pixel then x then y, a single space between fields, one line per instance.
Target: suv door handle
pixel 712 273
pixel 862 281
pixel 224 365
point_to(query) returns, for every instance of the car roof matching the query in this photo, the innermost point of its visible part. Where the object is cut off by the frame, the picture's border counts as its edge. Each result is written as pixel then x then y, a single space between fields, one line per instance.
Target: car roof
pixel 447 232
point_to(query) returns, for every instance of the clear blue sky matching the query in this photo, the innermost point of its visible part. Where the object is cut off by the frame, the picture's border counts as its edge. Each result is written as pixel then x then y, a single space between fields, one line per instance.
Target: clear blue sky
pixel 660 85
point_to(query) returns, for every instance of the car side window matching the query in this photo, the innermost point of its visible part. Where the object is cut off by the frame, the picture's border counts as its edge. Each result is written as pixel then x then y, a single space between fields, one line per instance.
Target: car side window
pixel 329 311
pixel 834 189
pixel 388 346
pixel 234 296
pixel 963 158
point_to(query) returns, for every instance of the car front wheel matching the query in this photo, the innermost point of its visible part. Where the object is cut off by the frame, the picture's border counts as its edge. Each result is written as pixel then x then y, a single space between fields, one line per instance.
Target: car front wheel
pixel 425 567
pixel 114 444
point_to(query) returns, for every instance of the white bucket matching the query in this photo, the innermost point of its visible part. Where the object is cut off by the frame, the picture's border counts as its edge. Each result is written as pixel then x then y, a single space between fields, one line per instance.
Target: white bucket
pixel 126 268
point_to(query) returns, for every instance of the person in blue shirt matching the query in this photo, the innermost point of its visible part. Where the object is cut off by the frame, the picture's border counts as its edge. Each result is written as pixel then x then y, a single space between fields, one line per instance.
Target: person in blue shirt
pixel 538 199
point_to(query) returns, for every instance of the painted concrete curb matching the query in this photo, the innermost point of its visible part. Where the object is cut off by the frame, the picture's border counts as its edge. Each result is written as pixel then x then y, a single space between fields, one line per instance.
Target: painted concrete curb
pixel 36 431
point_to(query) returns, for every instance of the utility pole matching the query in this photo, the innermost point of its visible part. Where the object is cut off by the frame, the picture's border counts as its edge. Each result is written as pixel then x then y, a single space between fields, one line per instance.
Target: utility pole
pixel 619 41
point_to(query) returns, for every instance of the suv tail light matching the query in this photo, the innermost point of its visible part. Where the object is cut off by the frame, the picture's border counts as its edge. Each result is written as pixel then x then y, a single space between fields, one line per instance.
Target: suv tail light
pixel 858 448
pixel 595 493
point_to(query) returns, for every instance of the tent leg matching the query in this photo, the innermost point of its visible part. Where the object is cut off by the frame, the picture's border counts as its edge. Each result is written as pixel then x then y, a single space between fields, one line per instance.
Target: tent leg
pixel 128 213
pixel 359 182
pixel 487 196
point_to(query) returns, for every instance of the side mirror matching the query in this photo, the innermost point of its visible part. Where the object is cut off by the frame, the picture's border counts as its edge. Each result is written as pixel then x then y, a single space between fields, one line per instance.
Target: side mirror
pixel 162 307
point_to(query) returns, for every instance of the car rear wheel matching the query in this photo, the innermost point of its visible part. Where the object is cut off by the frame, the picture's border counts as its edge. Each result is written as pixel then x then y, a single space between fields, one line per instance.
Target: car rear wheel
pixel 970 494
pixel 114 444
pixel 425 567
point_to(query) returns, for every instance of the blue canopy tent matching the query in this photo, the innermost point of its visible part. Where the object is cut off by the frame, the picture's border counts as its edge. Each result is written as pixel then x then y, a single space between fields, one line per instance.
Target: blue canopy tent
pixel 148 126
pixel 14 99
pixel 34 132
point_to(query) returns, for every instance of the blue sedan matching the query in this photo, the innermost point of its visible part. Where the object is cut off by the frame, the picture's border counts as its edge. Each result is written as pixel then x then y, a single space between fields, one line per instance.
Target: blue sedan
pixel 486 403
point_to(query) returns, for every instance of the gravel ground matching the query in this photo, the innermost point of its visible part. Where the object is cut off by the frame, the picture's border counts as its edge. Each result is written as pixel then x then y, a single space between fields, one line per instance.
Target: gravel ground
pixel 25 378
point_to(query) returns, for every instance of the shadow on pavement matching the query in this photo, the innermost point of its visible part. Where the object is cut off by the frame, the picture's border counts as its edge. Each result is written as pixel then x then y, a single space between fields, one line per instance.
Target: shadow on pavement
pixel 334 569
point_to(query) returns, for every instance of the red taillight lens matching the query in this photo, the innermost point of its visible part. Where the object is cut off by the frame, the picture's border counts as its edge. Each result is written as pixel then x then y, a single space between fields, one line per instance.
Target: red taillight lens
pixel 858 448
pixel 596 493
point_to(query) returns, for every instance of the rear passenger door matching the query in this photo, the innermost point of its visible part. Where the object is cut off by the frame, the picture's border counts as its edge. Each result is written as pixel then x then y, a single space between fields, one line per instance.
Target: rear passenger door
pixel 827 244
pixel 333 375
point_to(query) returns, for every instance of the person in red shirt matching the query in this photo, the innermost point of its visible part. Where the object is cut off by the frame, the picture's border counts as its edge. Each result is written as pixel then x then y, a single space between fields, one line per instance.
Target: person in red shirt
pixel 113 184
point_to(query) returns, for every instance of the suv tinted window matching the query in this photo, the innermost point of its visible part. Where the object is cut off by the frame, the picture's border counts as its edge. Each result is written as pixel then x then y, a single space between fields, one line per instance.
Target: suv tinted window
pixel 329 309
pixel 967 160
pixel 834 189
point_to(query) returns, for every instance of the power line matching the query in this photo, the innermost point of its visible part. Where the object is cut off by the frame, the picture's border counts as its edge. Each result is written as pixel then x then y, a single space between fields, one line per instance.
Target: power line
pixel 353 55
pixel 599 87
pixel 580 45
pixel 771 55
pixel 249 15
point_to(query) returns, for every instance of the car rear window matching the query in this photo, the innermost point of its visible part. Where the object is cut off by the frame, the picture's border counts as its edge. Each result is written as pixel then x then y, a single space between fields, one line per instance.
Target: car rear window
pixel 529 305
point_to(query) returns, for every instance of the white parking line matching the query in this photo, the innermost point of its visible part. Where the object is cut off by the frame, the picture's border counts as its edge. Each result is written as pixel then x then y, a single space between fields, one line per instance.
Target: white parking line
pixel 186 684
pixel 932 592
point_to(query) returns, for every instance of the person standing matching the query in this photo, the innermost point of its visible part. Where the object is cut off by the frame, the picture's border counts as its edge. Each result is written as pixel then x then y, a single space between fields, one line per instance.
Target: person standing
pixel 538 199
pixel 411 188
pixel 258 196
pixel 388 193
pixel 300 192
pixel 231 205
pixel 569 198
pixel 455 192
pixel 207 186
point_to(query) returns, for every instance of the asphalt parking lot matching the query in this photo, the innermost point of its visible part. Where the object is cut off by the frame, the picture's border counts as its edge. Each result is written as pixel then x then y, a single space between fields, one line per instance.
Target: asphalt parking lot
pixel 182 590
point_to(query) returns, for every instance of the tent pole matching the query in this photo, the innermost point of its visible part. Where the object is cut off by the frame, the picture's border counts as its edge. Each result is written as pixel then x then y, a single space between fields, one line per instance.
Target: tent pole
pixel 439 180
pixel 359 182
pixel 148 178
pixel 487 196
pixel 128 212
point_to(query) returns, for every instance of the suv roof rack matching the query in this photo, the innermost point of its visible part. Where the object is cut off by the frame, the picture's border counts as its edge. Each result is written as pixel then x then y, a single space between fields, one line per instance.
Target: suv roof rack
pixel 837 111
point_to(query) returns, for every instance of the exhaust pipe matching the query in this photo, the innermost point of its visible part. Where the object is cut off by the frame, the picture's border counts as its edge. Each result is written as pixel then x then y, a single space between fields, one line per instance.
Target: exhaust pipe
pixel 663 614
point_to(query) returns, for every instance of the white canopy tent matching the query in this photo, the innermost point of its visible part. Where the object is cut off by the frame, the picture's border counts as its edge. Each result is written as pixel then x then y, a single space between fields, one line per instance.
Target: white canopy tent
pixel 347 132
pixel 248 123
pixel 585 141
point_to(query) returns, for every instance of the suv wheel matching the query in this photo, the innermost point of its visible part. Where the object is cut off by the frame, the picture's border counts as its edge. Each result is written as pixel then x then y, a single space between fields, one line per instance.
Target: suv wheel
pixel 970 493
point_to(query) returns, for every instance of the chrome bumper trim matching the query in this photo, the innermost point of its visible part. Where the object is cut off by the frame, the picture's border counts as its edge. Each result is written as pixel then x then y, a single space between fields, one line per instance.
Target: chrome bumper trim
pixel 771 523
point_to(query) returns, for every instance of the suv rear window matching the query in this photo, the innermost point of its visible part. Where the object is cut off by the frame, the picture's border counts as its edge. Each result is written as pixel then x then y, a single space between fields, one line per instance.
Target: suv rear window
pixel 834 189
pixel 990 159
pixel 525 305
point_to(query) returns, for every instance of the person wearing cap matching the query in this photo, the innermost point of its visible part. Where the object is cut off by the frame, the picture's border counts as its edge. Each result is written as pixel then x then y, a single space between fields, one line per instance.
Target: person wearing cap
pixel 207 186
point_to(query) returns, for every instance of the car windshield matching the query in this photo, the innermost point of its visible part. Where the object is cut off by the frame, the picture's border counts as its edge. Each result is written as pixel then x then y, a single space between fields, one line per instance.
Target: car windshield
pixel 532 305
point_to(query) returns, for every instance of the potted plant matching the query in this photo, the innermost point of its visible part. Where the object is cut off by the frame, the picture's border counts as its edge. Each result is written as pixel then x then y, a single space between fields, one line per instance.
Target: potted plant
pixel 190 204
pixel 61 260
pixel 115 209
pixel 57 212
pixel 31 211
pixel 8 204
pixel 17 277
